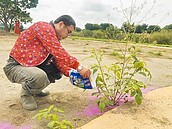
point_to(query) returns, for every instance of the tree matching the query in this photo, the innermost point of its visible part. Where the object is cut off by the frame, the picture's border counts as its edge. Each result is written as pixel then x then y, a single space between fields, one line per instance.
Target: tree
pixel 168 27
pixel 104 26
pixel 11 10
pixel 153 28
pixel 78 29
pixel 90 26
pixel 141 28
pixel 127 27
pixel 112 32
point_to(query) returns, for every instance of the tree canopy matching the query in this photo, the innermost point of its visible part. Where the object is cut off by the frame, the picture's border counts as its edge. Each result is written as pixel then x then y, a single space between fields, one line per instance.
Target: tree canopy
pixel 11 10
pixel 141 28
pixel 168 27
pixel 90 26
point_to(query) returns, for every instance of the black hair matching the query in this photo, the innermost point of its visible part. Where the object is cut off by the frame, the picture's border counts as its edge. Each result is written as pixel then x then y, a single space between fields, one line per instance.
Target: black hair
pixel 68 20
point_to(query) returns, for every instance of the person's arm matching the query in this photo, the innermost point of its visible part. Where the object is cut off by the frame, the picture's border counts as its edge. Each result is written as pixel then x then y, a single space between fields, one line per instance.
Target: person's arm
pixel 46 34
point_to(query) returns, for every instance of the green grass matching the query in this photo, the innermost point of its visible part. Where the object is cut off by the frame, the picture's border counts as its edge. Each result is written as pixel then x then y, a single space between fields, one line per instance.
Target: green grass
pixel 157 54
pixel 118 41
pixel 95 39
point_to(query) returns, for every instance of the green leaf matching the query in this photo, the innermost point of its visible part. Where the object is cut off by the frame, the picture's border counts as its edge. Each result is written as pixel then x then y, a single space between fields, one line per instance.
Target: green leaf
pixel 39 117
pixel 135 87
pixel 107 102
pixel 138 69
pixel 67 123
pixel 132 47
pixel 139 92
pixel 141 84
pixel 57 124
pixel 63 126
pixel 138 99
pixel 134 57
pixel 45 115
pixel 99 79
pixel 49 117
pixel 51 124
pixel 127 89
pixel 100 85
pixel 44 110
pixel 54 117
pixel 142 73
pixel 50 108
pixel 94 93
pixel 138 64
pixel 106 74
pixel 132 93
pixel 59 110
pixel 148 72
pixel 35 116
pixel 118 74
pixel 95 70
pixel 101 106
pixel 94 66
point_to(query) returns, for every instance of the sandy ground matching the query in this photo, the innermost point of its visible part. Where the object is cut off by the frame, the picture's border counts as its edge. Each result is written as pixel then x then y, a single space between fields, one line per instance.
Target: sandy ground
pixel 153 113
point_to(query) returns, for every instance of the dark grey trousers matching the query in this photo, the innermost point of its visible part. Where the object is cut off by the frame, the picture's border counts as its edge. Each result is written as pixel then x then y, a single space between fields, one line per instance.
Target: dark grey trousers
pixel 32 79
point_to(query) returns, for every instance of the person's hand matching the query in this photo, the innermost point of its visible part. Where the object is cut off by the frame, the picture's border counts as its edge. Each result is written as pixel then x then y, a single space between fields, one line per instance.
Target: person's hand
pixel 85 72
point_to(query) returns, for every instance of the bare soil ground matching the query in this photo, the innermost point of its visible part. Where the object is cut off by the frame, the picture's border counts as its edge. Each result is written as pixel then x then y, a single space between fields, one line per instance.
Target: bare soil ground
pixel 72 100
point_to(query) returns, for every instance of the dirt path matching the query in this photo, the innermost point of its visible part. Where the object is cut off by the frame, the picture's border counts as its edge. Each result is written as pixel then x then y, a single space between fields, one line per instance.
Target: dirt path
pixel 73 100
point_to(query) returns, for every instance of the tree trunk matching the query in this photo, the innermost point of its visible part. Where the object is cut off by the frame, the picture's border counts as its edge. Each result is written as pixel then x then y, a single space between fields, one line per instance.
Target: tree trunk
pixel 6 28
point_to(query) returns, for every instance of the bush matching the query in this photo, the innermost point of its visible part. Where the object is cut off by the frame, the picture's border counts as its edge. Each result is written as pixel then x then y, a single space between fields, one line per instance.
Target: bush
pixel 87 33
pixel 78 34
pixel 144 38
pixel 163 37
pixel 99 34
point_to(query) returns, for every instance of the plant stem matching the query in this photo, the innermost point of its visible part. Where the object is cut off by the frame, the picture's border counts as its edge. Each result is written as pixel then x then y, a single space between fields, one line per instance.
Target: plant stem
pixel 102 74
pixel 120 96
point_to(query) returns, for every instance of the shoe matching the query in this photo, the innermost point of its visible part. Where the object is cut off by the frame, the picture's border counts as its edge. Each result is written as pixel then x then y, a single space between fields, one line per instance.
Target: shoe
pixel 28 102
pixel 43 93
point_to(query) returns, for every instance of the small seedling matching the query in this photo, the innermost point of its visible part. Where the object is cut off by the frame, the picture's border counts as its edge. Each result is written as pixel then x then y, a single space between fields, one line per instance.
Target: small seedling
pixel 49 114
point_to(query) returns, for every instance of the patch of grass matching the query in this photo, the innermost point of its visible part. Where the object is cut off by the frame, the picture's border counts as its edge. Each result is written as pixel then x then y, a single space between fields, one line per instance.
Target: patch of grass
pixel 157 54
pixel 118 41
pixel 138 50
pixel 116 54
pixel 95 39
pixel 107 47
pixel 85 50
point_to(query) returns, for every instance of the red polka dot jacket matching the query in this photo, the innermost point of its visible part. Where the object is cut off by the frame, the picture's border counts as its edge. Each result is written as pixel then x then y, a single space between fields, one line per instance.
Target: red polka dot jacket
pixel 35 44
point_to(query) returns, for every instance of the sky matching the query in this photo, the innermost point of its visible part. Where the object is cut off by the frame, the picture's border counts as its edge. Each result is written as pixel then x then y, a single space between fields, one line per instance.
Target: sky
pixel 151 12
